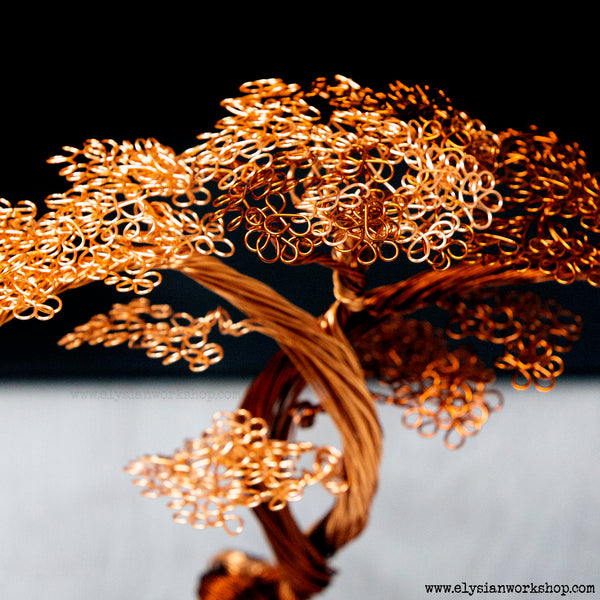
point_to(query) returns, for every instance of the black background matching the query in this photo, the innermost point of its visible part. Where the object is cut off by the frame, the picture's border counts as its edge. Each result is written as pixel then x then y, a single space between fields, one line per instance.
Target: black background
pixel 104 77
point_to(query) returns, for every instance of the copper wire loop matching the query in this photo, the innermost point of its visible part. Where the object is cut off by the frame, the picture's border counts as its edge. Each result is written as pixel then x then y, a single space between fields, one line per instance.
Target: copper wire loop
pixel 343 176
pixel 234 464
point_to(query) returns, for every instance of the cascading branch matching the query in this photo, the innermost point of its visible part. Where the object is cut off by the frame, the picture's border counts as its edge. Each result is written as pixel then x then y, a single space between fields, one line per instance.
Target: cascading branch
pixel 342 176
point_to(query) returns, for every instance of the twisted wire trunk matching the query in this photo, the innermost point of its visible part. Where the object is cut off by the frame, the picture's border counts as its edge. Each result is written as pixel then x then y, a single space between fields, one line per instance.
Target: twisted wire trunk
pixel 317 354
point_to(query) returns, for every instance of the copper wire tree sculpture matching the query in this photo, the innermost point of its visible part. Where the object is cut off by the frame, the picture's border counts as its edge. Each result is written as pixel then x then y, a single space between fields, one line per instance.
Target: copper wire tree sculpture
pixel 341 176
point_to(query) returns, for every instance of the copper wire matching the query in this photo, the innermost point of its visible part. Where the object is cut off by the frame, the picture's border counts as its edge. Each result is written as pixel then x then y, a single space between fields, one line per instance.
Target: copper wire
pixel 234 464
pixel 343 176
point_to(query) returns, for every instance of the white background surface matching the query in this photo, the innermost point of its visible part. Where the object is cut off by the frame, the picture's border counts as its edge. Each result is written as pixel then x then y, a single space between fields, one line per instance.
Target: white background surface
pixel 517 504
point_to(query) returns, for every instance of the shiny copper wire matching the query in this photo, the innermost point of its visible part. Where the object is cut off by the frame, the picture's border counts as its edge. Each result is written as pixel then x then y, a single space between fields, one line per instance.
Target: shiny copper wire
pixel 378 176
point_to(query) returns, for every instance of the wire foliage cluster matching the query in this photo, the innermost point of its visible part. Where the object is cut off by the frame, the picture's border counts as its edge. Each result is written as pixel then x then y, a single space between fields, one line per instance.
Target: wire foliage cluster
pixel 234 464
pixel 438 389
pixel 163 333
